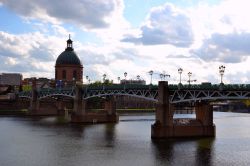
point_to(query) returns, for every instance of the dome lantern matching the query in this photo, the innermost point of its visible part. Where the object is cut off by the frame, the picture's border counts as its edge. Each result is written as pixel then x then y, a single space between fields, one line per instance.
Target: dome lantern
pixel 69 44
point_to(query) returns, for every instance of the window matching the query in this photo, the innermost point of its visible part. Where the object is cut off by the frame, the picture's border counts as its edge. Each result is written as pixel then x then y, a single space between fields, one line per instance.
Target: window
pixel 74 74
pixel 64 74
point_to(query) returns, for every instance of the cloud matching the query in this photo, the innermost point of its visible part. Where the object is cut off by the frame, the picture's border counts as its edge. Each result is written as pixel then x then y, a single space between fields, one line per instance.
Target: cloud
pixel 86 13
pixel 228 48
pixel 164 25
pixel 24 46
pixel 31 53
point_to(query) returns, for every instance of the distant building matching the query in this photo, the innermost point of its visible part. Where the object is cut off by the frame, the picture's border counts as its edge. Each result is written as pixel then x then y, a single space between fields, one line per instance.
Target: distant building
pixel 137 82
pixel 68 68
pixel 13 79
pixel 40 83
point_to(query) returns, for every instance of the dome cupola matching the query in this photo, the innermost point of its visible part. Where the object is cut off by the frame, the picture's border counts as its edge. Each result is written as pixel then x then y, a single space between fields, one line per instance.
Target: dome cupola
pixel 68 68
pixel 68 56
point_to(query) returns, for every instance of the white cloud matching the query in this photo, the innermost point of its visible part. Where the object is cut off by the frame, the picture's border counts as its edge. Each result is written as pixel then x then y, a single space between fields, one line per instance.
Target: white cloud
pixel 229 48
pixel 31 52
pixel 164 25
pixel 86 13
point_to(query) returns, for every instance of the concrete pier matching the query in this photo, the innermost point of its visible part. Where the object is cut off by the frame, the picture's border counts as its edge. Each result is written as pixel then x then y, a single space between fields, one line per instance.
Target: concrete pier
pixel 165 127
pixel 80 115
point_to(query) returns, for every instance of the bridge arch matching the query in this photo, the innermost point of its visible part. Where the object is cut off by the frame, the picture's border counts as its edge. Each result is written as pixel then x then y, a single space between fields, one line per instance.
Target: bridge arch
pixel 52 95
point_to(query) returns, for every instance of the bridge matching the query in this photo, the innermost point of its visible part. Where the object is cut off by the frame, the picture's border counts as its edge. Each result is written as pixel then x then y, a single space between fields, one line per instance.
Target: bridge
pixel 177 93
pixel 166 97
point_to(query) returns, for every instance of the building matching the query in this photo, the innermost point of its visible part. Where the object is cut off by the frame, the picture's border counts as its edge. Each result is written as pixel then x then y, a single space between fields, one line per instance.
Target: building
pixel 13 79
pixel 40 83
pixel 68 68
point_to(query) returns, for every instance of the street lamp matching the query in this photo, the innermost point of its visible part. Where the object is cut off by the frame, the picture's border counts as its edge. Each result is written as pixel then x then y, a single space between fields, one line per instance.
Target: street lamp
pixel 164 75
pixel 125 75
pixel 151 74
pixel 161 76
pixel 189 75
pixel 104 77
pixel 87 78
pixel 221 71
pixel 180 70
pixel 138 77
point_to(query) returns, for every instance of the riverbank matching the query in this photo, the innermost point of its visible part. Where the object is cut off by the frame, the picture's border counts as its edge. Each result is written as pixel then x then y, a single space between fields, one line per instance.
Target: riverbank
pixel 22 112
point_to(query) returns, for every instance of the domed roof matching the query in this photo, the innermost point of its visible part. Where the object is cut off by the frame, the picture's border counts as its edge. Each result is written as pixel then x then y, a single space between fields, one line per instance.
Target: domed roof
pixel 68 57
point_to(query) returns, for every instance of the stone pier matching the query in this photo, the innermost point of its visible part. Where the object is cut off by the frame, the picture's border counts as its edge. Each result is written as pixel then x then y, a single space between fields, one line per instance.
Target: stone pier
pixel 39 108
pixel 80 115
pixel 165 127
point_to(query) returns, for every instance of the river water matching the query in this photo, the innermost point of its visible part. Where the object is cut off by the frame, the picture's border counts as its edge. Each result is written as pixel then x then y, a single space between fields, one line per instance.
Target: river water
pixel 45 142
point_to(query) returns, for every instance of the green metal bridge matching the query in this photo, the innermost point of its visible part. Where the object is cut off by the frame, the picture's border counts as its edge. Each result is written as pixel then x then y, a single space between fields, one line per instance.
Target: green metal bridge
pixel 178 92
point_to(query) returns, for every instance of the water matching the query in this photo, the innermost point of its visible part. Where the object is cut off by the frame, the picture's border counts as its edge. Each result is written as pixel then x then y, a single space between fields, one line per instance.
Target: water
pixel 44 142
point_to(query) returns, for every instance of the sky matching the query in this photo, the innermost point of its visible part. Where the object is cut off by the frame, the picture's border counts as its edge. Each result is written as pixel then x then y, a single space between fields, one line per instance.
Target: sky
pixel 134 36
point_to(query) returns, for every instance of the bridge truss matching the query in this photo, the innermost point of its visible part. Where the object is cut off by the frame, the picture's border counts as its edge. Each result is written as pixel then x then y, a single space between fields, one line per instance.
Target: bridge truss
pixel 178 94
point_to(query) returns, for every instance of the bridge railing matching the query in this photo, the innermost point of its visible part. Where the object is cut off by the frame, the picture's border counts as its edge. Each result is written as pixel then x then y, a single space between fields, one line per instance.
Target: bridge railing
pixel 121 87
pixel 227 87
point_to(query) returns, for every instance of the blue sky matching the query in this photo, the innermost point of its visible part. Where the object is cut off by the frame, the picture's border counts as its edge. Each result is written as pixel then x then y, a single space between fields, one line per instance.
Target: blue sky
pixel 116 36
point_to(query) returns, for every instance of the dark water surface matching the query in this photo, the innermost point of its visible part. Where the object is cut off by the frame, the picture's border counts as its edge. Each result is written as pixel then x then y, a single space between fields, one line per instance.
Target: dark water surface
pixel 44 142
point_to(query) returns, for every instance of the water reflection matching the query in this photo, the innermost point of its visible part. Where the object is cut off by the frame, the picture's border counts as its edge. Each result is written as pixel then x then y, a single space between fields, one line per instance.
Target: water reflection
pixel 204 152
pixel 110 134
pixel 183 152
pixel 163 151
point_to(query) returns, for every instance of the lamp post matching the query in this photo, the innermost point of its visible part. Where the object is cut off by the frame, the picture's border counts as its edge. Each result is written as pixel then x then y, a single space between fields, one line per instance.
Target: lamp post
pixel 161 76
pixel 151 74
pixel 87 78
pixel 221 71
pixel 118 78
pixel 164 75
pixel 104 77
pixel 180 70
pixel 138 77
pixel 189 75
pixel 125 75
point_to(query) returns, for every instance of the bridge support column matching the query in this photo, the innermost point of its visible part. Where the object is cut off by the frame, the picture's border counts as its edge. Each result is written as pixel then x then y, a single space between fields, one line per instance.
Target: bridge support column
pixel 80 115
pixel 34 102
pixel 110 105
pixel 204 114
pixel 163 127
pixel 166 127
pixel 79 103
pixel 60 107
pixel 110 109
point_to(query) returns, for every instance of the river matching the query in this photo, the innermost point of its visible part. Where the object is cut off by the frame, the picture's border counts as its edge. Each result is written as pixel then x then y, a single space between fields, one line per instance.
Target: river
pixel 44 142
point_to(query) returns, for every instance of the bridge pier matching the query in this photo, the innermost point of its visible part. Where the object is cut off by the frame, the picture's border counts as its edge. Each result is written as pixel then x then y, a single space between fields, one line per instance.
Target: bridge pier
pixel 167 127
pixel 80 115
pixel 34 101
pixel 204 114
pixel 163 127
pixel 39 108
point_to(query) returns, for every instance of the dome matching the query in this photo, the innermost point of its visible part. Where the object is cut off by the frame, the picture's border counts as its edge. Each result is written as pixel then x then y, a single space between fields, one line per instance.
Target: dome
pixel 68 57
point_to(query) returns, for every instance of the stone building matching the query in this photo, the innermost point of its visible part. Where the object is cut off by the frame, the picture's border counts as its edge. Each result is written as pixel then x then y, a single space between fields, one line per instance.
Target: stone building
pixel 68 68
pixel 13 79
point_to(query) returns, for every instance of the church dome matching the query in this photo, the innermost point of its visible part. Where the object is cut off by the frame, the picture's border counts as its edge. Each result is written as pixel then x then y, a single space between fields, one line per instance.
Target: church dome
pixel 68 57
